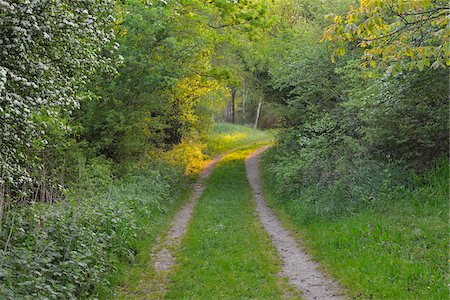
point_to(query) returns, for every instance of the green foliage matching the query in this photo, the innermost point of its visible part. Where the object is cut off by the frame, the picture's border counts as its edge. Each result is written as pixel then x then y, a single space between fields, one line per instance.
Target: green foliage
pixel 380 237
pixel 71 249
pixel 50 49
pixel 305 79
pixel 331 176
pixel 291 66
pixel 395 34
pixel 169 82
pixel 405 117
pixel 400 117
pixel 94 175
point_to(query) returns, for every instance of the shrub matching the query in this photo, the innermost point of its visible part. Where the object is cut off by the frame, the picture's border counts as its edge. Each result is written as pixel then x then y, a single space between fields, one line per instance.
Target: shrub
pixel 50 49
pixel 188 155
pixel 330 171
pixel 405 117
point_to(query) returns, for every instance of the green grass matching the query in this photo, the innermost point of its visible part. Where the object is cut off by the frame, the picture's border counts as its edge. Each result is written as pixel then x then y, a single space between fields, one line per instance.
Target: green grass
pixel 226 254
pixel 139 280
pixel 136 279
pixel 224 137
pixel 395 251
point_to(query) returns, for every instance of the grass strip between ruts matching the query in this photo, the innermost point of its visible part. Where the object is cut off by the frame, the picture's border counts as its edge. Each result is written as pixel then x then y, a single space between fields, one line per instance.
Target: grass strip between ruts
pixel 226 254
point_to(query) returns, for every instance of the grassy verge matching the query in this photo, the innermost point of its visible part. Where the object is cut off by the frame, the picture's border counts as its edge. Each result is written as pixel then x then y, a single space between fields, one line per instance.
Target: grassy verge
pixel 129 284
pixel 226 253
pixel 396 250
pixel 224 137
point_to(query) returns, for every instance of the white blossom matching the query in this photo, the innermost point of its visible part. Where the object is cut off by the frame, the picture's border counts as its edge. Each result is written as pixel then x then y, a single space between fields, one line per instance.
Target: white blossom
pixel 48 51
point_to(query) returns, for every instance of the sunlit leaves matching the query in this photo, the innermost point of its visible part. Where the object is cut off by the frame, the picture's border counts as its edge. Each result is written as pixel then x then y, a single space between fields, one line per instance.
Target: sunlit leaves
pixel 396 34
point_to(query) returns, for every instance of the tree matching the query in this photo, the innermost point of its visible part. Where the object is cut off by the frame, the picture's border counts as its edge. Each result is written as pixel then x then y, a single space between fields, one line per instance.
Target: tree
pixel 49 50
pixel 394 34
pixel 178 59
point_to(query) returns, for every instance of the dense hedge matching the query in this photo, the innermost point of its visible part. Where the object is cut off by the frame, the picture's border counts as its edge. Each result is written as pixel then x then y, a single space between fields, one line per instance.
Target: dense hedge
pixel 49 50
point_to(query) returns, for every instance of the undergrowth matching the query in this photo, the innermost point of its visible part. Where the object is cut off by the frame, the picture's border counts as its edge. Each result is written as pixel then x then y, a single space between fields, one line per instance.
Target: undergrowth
pixel 77 248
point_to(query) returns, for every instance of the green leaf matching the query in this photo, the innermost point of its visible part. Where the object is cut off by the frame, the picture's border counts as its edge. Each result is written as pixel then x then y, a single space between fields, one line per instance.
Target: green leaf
pixel 420 65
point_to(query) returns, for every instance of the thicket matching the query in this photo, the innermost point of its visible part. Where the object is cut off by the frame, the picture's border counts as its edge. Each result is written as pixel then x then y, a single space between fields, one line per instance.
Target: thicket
pixel 49 50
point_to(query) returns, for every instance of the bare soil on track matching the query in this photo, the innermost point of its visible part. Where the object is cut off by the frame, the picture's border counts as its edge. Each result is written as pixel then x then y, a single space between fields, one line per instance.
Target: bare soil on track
pixel 302 272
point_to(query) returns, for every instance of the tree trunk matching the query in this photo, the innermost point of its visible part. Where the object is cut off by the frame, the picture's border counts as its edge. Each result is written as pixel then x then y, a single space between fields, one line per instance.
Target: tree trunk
pixel 233 96
pixel 244 96
pixel 258 113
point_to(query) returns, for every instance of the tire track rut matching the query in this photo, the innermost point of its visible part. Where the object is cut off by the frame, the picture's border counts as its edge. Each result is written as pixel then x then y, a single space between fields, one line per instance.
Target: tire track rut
pixel 302 272
pixel 163 254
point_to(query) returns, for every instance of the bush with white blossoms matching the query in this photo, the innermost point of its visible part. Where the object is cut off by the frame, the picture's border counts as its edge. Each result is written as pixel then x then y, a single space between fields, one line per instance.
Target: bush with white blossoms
pixel 49 49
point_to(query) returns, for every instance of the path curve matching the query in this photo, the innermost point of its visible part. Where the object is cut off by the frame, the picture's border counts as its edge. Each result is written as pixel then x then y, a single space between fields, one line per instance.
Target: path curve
pixel 301 271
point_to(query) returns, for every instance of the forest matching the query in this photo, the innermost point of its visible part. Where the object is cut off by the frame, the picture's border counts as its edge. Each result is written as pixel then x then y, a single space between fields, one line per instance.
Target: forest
pixel 111 110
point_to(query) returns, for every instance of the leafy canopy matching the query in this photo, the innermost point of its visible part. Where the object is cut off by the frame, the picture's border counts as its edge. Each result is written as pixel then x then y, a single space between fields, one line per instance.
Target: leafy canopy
pixel 394 34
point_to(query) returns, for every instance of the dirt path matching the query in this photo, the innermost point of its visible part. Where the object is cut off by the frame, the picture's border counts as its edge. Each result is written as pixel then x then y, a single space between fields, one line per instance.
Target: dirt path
pixel 301 271
pixel 163 254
